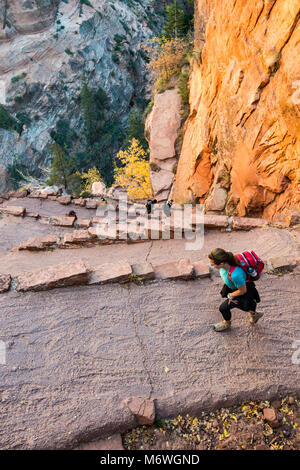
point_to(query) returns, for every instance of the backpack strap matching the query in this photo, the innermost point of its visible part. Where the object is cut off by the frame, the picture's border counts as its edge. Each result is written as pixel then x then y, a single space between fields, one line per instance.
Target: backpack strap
pixel 231 269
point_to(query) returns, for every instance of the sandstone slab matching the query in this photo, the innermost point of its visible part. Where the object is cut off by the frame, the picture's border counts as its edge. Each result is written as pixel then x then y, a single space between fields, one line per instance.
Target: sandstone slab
pixel 144 271
pixel 245 223
pixel 80 236
pixel 36 244
pixel 83 223
pixel 201 269
pixel 20 194
pixel 65 200
pixel 62 221
pixel 110 272
pixel 14 210
pixel 281 263
pixel 79 202
pixel 182 269
pixel 90 204
pixel 215 221
pixel 54 276
pixel 68 238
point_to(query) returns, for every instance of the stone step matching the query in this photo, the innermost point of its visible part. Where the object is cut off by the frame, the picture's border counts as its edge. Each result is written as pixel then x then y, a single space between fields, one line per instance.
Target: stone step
pixel 110 272
pixel 62 221
pixel 53 276
pixel 13 210
pixel 182 269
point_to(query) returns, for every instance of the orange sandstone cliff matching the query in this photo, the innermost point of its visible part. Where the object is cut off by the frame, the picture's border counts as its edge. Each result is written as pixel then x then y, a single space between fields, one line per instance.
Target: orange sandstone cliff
pixel 241 149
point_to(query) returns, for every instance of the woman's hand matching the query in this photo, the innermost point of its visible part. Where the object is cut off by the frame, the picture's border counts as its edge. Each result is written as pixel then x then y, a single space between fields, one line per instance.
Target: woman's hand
pixel 240 291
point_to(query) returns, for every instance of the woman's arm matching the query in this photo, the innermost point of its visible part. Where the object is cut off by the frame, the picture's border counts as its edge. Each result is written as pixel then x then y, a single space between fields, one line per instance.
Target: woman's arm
pixel 240 291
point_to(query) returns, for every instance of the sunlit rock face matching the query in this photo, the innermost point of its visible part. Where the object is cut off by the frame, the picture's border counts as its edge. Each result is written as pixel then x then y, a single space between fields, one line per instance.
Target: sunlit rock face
pixel 45 48
pixel 241 149
pixel 162 126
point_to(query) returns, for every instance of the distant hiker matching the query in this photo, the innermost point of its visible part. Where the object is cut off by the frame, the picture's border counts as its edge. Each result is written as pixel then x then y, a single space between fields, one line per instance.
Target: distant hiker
pixel 238 272
pixel 150 204
pixel 167 207
pixel 71 214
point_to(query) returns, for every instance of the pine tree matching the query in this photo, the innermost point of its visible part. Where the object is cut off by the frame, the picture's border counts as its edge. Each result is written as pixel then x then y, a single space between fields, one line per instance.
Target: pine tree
pixel 89 112
pixel 136 128
pixel 63 169
pixel 177 21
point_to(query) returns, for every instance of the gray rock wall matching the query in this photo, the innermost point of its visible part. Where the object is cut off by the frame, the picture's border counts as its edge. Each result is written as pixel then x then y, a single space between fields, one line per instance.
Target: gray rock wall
pixel 47 46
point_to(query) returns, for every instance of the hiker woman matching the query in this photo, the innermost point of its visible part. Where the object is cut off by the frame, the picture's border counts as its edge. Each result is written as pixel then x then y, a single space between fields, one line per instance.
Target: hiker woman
pixel 240 291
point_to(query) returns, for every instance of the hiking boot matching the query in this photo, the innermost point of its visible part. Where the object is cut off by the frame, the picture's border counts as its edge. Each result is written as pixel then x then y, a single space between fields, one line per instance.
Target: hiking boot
pixel 222 326
pixel 254 317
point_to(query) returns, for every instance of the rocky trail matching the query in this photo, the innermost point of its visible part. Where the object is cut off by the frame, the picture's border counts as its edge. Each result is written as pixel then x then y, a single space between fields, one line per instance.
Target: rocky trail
pixel 73 355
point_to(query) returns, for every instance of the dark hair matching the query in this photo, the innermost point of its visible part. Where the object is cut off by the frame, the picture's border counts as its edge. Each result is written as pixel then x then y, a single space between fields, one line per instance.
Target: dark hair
pixel 218 256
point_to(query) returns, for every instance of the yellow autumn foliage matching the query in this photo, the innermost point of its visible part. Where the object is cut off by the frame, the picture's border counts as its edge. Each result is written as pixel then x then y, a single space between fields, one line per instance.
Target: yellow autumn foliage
pixel 89 178
pixel 135 174
pixel 166 58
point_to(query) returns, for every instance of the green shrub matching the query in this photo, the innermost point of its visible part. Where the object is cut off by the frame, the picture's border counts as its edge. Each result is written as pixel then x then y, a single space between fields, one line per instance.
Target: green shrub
pixel 18 77
pixel 6 120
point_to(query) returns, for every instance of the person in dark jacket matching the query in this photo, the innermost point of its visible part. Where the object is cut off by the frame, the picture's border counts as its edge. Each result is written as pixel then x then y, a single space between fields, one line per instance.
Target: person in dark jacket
pixel 150 204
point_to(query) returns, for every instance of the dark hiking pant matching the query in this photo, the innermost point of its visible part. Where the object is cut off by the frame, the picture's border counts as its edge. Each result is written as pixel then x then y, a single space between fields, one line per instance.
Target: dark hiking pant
pixel 246 302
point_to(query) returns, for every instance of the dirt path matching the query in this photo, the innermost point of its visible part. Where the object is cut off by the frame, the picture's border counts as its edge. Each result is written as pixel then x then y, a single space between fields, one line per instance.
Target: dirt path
pixel 74 354
pixel 268 242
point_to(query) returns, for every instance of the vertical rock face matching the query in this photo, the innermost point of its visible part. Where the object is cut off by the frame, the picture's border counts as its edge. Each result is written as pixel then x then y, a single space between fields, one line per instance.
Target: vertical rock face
pixel 162 127
pixel 46 46
pixel 241 149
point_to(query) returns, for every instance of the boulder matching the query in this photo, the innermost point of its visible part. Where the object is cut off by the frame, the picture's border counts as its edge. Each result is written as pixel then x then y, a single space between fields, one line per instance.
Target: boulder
pixel 98 189
pixel 142 408
pixel 5 280
pixel 53 276
pixel 65 200
pixel 270 415
pixel 50 191
pixel 217 199
pixel 161 181
pixel 110 272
